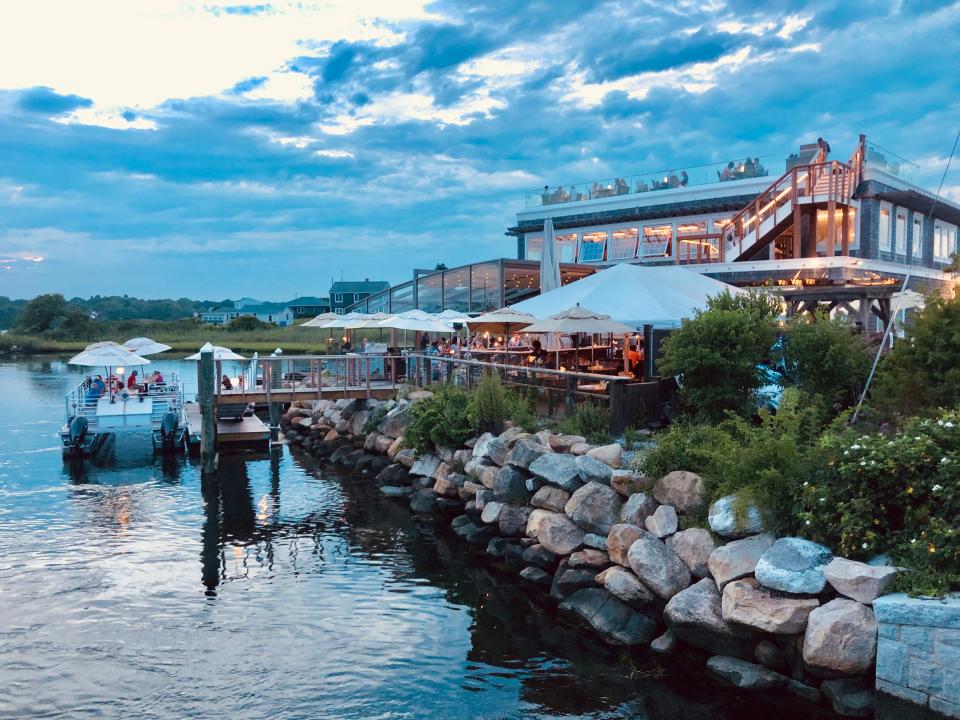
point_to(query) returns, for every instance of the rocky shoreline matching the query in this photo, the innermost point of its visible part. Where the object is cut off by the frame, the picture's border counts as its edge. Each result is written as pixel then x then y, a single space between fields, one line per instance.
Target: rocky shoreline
pixel 621 553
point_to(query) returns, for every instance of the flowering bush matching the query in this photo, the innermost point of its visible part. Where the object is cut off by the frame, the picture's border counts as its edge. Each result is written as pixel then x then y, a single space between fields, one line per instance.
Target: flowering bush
pixel 898 495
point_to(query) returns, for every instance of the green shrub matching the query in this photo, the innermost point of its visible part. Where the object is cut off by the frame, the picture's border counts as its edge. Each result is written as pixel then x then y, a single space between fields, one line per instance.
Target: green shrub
pixel 520 407
pixel 589 421
pixel 489 404
pixel 375 418
pixel 892 494
pixel 717 352
pixel 439 421
pixel 631 438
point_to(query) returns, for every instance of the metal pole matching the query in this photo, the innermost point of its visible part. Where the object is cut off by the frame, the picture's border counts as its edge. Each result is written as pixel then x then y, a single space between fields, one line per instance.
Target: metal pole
pixel 208 419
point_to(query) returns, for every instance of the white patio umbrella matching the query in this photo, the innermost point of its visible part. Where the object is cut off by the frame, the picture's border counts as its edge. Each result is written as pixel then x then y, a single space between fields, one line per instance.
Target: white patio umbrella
pixel 320 320
pixel 579 320
pixel 107 354
pixel 450 315
pixel 219 353
pixel 369 321
pixel 144 346
pixel 340 321
pixel 427 324
pixel 501 321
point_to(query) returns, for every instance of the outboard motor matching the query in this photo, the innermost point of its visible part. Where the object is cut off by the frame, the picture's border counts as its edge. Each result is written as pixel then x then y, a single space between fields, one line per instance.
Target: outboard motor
pixel 78 435
pixel 169 425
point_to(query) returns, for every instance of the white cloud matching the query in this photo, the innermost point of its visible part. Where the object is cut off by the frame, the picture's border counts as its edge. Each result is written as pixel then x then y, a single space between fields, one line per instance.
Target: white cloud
pixel 112 119
pixel 793 24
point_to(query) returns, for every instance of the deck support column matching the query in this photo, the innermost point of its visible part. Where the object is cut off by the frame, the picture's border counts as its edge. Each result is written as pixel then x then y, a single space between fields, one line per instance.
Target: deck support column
pixel 208 416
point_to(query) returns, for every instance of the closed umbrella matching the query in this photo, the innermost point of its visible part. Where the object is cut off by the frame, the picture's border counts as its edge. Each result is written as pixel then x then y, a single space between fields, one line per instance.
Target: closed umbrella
pixel 144 346
pixel 549 260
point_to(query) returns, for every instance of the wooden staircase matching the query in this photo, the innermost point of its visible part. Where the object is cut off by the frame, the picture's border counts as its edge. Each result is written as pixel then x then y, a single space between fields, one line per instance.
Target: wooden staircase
pixel 777 211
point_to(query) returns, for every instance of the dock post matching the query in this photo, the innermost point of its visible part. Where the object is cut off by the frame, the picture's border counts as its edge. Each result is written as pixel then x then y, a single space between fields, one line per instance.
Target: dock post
pixel 208 419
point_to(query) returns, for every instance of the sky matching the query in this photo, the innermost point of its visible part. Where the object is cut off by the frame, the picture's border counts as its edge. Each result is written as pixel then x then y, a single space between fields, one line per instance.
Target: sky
pixel 171 148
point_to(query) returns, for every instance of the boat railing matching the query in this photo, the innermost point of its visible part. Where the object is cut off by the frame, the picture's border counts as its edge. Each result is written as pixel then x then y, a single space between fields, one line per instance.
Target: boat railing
pixel 166 397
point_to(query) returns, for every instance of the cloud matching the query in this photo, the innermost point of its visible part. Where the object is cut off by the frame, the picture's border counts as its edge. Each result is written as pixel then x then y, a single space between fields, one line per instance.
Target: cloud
pixel 44 101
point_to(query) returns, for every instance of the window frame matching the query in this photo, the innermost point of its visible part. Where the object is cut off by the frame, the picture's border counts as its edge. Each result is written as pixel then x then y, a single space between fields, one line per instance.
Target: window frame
pixel 885 245
pixel 917 239
pixel 900 238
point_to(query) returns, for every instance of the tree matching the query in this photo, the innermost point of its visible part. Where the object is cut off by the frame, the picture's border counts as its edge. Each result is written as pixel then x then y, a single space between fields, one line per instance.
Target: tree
pixel 716 354
pixel 42 313
pixel 245 323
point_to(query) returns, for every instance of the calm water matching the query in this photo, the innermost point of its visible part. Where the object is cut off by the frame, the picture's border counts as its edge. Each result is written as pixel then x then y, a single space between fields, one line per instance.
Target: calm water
pixel 126 591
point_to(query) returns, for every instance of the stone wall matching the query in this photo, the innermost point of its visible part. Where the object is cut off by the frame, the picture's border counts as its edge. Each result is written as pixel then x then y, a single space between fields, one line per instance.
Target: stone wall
pixel 918 656
pixel 625 556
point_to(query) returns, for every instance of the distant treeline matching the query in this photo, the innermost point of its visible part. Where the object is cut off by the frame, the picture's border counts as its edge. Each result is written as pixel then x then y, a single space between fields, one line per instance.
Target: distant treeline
pixel 107 308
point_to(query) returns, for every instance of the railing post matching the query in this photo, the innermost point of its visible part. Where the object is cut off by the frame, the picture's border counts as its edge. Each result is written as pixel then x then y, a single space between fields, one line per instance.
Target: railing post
pixel 617 399
pixel 568 394
pixel 368 376
pixel 208 420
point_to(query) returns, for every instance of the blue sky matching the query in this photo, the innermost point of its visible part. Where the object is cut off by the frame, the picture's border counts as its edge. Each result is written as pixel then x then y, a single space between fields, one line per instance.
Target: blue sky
pixel 211 149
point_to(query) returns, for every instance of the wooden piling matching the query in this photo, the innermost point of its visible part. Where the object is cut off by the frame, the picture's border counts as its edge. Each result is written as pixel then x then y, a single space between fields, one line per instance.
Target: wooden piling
pixel 208 417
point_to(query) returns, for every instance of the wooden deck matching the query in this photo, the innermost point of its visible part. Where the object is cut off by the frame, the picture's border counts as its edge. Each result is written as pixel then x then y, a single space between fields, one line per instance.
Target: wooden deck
pixel 248 434
pixel 381 390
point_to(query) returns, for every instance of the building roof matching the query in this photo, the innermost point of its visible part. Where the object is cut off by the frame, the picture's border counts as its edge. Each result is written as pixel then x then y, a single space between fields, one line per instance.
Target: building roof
pixel 266 308
pixel 308 300
pixel 361 286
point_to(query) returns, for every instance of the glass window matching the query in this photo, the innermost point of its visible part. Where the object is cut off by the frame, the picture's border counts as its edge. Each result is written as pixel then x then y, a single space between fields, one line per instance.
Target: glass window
pixel 401 298
pixel 901 241
pixel 379 303
pixel 520 283
pixel 485 287
pixel 567 245
pixel 338 297
pixel 692 244
pixel 917 237
pixel 430 293
pixel 456 289
pixel 657 241
pixel 592 245
pixel 534 248
pixel 884 230
pixel 623 244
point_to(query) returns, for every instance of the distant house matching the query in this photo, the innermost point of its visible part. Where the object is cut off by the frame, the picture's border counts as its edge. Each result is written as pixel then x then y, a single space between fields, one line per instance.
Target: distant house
pixel 276 313
pixel 308 306
pixel 220 315
pixel 345 293
pixel 244 302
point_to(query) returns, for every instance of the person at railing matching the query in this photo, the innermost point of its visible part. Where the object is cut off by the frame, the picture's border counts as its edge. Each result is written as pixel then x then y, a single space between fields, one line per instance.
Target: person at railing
pixel 620 187
pixel 759 169
pixel 824 149
pixel 95 389
pixel 673 181
pixel 749 169
pixel 545 197
pixel 642 186
pixel 574 195
pixel 225 382
pixel 684 178
pixel 728 172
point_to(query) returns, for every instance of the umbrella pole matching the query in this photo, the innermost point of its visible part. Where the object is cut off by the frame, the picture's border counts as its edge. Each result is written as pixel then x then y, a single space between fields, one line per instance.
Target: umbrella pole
pixel 626 355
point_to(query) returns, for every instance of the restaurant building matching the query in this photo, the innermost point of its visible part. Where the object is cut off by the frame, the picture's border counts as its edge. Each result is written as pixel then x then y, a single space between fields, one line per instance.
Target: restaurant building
pixel 821 230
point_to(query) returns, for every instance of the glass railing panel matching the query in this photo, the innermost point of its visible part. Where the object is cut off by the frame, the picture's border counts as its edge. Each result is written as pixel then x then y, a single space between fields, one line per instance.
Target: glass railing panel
pixel 888 161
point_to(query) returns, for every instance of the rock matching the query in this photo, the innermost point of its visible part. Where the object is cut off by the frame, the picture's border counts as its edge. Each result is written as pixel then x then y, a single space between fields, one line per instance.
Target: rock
pixel 541 557
pixel 769 655
pixel 695 616
pixel 621 537
pixel 747 603
pixel 665 644
pixel 395 475
pixel 589 558
pixel 627 484
pixel 794 565
pixel 424 502
pixel 568 580
pixel 544 437
pixel 461 458
pixel 563 443
pixel 657 566
pixel 396 491
pixel 383 445
pixel 598 542
pixel 663 522
pixel 485 475
pixel 580 448
pixel 340 453
pixel 743 674
pixel 525 451
pixel 626 586
pixel 738 559
pixel 637 509
pixel 511 433
pixel 804 692
pixel 491 448
pixel 406 457
pixel 533 522
pixel 533 484
pixel 447 487
pixel 864 583
pixel 513 520
pixel 425 465
pixel 550 498
pixel 482 497
pixel 557 469
pixel 395 447
pixel 723 520
pixel 610 617
pixel 491 512
pixel 684 490
pixel 608 454
pixel 469 490
pixel 840 639
pixel 417 395
pixel 849 697
pixel 509 484
pixel 537 576
pixel 558 534
pixel 694 547
pixel 594 507
pixel 592 470
pixel 370 442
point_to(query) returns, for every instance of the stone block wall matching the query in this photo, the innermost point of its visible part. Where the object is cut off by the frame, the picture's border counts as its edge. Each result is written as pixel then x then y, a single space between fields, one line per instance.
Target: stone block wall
pixel 918 655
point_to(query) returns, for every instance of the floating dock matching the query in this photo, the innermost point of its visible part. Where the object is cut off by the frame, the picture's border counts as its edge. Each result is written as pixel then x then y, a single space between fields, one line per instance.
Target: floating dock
pixel 246 434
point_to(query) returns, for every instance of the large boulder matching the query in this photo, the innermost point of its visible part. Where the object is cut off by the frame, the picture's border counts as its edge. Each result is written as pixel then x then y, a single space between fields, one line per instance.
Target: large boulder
pixel 426 465
pixel 638 508
pixel 490 447
pixel 840 639
pixel 724 521
pixel 695 616
pixel 694 547
pixel 663 522
pixel 491 512
pixel 608 454
pixel 619 540
pixel 627 483
pixel 525 451
pixel 684 490
pixel 613 619
pixel 550 498
pixel 533 522
pixel 594 507
pixel 794 565
pixel 592 470
pixel 510 484
pixel 657 566
pixel 626 586
pixel 395 422
pixel 563 443
pixel 850 697
pixel 424 502
pixel 591 558
pixel 539 556
pixel 557 469
pixel 558 534
pixel 738 559
pixel 743 674
pixel 746 602
pixel 864 583
pixel 513 520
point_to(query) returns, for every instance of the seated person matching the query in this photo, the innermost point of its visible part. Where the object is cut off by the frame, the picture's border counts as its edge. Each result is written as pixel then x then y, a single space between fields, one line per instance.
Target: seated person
pixel 157 377
pixel 727 172
pixel 225 382
pixel 132 381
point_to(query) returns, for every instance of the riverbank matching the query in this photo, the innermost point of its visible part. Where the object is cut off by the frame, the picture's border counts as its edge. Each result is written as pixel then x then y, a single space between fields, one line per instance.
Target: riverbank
pixel 621 555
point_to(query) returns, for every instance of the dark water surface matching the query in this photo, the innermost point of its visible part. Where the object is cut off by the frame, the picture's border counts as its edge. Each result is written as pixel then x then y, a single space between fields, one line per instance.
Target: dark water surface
pixel 294 592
